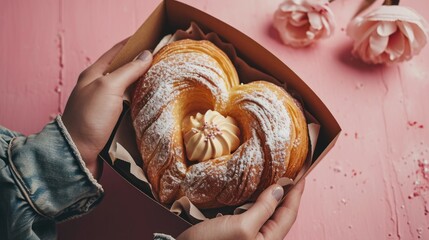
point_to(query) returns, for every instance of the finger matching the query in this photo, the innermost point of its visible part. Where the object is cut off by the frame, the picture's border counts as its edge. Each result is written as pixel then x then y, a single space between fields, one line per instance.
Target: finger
pixel 104 61
pixel 285 215
pixel 97 69
pixel 264 207
pixel 124 76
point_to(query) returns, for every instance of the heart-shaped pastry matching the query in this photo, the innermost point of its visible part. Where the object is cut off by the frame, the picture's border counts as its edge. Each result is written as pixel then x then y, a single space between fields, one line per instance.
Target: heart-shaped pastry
pixel 203 135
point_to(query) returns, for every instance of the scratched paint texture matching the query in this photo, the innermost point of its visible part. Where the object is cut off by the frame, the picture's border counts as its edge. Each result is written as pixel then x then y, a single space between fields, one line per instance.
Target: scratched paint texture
pixel 372 185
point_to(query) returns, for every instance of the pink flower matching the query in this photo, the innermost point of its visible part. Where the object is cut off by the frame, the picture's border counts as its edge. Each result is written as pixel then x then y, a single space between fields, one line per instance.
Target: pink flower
pixel 301 22
pixel 388 34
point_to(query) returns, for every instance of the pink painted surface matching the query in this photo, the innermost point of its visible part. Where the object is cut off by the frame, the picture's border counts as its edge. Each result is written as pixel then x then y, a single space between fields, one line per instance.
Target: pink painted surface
pixel 372 185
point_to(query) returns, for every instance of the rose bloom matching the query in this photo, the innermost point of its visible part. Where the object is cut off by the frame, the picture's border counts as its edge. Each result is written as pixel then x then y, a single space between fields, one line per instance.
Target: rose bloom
pixel 301 22
pixel 388 34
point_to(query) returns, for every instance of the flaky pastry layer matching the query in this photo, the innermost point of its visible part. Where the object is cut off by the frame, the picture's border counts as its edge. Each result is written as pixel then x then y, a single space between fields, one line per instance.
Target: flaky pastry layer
pixel 190 76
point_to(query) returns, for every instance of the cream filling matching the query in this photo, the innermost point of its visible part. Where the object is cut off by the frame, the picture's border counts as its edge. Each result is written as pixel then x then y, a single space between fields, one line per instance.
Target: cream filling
pixel 209 136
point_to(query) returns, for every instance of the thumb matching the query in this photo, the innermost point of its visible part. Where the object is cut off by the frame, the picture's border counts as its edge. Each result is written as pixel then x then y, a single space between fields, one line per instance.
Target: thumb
pixel 264 206
pixel 124 76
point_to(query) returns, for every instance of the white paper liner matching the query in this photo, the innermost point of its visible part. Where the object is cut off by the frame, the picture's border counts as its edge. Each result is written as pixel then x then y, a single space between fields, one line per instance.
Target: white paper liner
pixel 124 148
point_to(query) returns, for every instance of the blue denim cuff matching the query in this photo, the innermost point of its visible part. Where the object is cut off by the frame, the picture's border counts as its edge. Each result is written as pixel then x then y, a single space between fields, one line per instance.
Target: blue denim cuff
pixel 51 174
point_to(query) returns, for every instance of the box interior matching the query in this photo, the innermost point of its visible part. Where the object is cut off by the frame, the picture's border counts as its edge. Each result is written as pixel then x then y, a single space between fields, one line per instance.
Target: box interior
pixel 171 15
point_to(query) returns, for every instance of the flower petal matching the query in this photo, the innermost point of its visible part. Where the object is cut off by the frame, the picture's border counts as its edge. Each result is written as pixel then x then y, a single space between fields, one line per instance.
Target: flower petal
pixel 420 35
pixel 310 35
pixel 298 19
pixel 377 43
pixel 388 34
pixel 286 7
pixel 302 22
pixel 315 20
pixel 396 46
pixel 386 28
pixel 407 29
pixel 360 31
pixel 327 27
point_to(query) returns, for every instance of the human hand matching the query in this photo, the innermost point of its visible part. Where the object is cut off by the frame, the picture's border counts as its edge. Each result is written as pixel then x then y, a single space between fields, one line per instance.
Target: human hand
pixel 261 221
pixel 95 104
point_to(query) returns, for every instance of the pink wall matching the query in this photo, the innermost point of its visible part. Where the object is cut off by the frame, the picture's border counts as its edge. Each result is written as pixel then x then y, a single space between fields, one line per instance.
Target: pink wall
pixel 362 190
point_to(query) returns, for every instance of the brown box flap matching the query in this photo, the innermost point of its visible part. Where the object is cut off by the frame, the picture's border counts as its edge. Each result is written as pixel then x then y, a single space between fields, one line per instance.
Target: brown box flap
pixel 171 15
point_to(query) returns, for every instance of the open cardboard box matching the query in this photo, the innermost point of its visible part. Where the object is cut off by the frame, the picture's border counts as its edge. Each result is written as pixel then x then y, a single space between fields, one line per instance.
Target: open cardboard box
pixel 170 16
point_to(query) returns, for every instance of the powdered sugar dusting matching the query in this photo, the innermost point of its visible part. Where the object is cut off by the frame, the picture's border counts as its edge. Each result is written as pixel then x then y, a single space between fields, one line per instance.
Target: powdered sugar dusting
pixel 172 178
pixel 185 70
pixel 274 120
pixel 156 99
pixel 165 81
pixel 230 179
pixel 244 172
pixel 205 180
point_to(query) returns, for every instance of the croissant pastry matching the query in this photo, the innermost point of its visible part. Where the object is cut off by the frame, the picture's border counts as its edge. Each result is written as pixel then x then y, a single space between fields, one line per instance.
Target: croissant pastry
pixel 203 135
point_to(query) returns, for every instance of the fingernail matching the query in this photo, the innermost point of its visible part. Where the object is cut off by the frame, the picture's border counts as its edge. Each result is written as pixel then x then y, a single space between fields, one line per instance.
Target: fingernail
pixel 145 55
pixel 278 193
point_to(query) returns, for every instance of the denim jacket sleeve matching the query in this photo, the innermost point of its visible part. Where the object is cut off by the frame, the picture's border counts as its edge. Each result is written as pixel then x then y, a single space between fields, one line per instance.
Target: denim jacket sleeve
pixel 43 180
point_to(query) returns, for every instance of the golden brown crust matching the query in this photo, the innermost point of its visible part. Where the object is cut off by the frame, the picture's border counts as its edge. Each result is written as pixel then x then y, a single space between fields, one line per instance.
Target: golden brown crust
pixel 194 76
